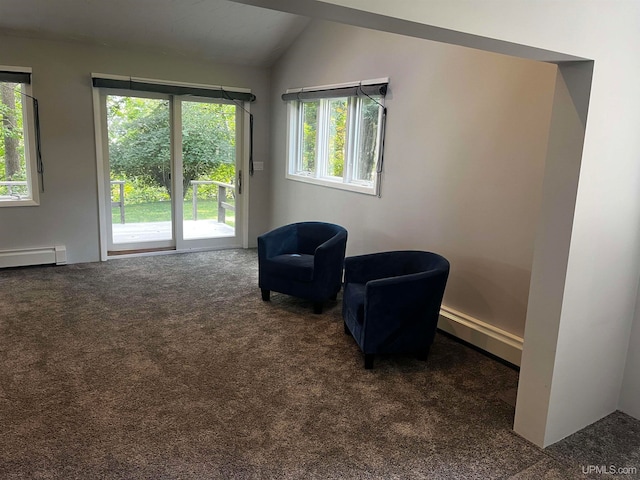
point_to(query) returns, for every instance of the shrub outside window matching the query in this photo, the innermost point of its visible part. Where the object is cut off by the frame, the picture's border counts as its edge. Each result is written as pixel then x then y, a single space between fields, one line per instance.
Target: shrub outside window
pixel 18 180
pixel 336 142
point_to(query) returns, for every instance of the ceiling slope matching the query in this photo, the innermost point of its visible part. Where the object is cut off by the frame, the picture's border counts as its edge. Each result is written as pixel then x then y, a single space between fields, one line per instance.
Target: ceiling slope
pixel 216 30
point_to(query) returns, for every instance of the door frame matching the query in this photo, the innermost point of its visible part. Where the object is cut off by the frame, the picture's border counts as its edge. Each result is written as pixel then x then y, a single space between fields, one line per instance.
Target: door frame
pixel 241 238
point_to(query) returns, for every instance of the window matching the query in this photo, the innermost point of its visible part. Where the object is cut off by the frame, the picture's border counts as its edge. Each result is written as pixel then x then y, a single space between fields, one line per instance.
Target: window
pixel 18 180
pixel 336 136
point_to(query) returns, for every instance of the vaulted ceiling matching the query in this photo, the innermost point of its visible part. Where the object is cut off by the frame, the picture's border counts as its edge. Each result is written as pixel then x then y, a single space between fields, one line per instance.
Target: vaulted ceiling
pixel 217 30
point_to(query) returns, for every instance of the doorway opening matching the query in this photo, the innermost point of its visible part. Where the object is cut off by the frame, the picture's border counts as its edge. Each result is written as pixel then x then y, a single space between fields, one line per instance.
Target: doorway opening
pixel 171 172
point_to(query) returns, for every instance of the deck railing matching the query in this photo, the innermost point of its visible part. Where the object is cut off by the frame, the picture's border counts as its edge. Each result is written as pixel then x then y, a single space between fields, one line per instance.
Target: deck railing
pixel 120 202
pixel 10 184
pixel 223 205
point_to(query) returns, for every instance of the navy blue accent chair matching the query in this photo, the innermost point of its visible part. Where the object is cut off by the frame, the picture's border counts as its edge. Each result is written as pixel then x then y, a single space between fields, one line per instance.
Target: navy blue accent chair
pixel 304 259
pixel 391 301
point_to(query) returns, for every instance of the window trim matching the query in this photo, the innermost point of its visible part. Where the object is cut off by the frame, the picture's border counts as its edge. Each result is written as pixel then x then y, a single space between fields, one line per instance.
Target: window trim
pixel 294 140
pixel 166 87
pixel 28 125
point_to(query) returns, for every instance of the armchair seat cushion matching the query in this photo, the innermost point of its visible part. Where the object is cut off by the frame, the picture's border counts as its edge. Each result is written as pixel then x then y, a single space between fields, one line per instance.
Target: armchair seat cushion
pixel 295 266
pixel 354 294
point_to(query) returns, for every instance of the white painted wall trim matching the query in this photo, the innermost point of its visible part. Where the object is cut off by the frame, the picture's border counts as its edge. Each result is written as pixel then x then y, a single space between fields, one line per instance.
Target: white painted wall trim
pixel 155 81
pixel 244 142
pixel 33 256
pixel 489 338
pixel 372 81
pixel 99 130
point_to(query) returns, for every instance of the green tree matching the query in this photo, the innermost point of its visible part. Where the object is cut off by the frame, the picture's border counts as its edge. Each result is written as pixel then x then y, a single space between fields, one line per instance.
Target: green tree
pixel 11 136
pixel 337 136
pixel 366 163
pixel 140 146
pixel 139 139
pixel 208 141
pixel 310 135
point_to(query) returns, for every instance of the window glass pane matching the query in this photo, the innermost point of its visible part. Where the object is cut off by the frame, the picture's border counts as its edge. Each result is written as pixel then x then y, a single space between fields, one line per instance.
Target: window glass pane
pixel 140 168
pixel 337 137
pixel 367 152
pixel 336 142
pixel 13 164
pixel 208 169
pixel 309 136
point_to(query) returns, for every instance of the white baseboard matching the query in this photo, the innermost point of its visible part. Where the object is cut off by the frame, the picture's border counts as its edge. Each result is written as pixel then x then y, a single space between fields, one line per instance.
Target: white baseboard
pixel 491 339
pixel 33 256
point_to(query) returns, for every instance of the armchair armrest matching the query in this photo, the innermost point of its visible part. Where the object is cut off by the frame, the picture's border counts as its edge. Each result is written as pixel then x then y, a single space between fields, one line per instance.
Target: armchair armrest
pixel 278 241
pixel 407 295
pixel 333 248
pixel 328 259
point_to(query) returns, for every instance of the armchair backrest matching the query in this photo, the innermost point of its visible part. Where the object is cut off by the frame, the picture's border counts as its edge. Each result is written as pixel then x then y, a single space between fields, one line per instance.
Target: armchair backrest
pixel 417 262
pixel 398 263
pixel 311 235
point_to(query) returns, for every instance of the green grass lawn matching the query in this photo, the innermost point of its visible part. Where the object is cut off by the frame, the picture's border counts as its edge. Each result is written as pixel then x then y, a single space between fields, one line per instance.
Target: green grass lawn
pixel 161 212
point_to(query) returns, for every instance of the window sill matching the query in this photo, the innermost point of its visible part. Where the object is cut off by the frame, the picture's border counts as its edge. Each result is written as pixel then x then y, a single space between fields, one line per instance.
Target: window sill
pixel 352 187
pixel 19 203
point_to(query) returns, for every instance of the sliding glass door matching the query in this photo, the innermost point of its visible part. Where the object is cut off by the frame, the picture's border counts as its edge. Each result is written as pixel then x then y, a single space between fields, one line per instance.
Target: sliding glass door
pixel 172 172
pixel 209 173
pixel 139 176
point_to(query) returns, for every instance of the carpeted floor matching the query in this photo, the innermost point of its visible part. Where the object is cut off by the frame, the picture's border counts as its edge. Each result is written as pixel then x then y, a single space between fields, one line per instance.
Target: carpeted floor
pixel 171 367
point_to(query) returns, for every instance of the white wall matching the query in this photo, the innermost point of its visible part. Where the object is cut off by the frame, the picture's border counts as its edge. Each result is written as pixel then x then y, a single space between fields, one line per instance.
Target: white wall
pixel 464 153
pixel 630 397
pixel 597 275
pixel 68 211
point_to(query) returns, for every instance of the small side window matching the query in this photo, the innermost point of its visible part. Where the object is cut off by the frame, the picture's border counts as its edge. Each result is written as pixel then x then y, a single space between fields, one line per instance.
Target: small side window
pixel 336 140
pixel 18 178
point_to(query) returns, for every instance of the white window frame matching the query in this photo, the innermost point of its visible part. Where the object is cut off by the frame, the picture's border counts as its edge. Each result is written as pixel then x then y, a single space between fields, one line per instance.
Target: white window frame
pixel 28 125
pixel 295 123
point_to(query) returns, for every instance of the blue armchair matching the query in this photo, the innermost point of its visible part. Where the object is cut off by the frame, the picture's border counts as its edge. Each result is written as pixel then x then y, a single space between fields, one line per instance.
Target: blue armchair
pixel 304 260
pixel 391 301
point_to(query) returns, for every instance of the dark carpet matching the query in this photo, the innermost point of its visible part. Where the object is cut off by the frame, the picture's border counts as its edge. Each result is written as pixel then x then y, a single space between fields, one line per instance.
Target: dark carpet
pixel 172 367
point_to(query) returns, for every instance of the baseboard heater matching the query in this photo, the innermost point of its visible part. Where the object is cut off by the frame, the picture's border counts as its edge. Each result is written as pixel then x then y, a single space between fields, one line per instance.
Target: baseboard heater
pixel 487 337
pixel 33 256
